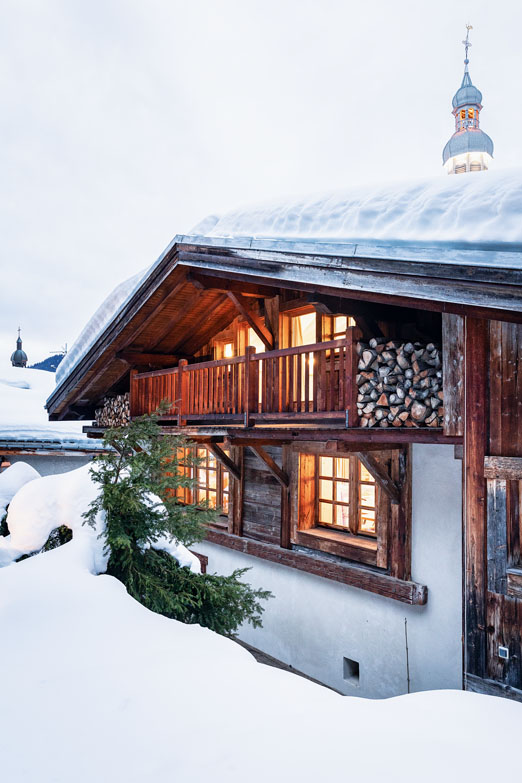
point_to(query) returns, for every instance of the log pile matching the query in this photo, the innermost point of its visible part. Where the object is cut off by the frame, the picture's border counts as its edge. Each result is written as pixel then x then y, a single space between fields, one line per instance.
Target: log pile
pixel 115 411
pixel 399 384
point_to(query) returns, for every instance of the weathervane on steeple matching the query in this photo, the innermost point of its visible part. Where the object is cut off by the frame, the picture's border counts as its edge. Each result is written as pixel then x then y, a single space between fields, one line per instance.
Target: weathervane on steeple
pixel 469 149
pixel 467 44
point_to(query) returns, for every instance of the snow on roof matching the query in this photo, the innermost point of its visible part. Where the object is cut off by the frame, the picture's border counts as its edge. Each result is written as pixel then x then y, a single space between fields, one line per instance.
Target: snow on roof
pixel 23 418
pixel 98 322
pixel 96 687
pixel 479 207
pixel 482 208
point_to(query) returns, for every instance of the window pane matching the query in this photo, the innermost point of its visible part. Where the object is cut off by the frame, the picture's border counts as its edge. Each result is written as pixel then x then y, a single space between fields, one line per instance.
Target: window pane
pixel 212 479
pixel 342 491
pixel 325 489
pixel 340 323
pixel 325 513
pixel 202 496
pixel 211 459
pixel 326 466
pixel 364 474
pixel 367 494
pixel 342 515
pixel 367 520
pixel 212 499
pixel 202 477
pixel 342 467
pixel 225 480
pixel 224 504
pixel 201 453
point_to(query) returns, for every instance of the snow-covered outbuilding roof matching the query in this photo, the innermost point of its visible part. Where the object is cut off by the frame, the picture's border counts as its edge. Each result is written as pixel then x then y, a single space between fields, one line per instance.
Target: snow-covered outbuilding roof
pixel 23 420
pixel 431 225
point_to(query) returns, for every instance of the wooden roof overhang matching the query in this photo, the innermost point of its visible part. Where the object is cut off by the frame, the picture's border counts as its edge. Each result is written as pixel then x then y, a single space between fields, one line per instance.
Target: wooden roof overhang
pixel 183 301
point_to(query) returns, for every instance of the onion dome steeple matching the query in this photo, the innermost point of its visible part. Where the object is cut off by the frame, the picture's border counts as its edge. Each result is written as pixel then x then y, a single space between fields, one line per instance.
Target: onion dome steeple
pixel 469 149
pixel 19 357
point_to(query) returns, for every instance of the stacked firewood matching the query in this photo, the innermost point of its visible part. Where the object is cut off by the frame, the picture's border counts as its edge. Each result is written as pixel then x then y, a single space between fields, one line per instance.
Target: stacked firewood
pixel 400 384
pixel 115 411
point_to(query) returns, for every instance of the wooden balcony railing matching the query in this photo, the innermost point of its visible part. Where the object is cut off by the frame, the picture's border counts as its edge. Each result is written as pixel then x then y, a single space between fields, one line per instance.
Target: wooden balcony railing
pixel 301 384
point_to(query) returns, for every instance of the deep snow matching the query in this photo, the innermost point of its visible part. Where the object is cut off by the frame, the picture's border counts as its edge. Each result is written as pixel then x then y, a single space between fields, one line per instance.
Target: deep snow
pixel 95 689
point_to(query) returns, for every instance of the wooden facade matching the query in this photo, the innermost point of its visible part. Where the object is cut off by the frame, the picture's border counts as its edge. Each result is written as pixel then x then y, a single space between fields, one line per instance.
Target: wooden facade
pixel 211 331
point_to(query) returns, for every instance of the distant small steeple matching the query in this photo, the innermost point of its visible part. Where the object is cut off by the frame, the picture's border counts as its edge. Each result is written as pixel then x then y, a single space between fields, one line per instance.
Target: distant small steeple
pixel 19 357
pixel 469 149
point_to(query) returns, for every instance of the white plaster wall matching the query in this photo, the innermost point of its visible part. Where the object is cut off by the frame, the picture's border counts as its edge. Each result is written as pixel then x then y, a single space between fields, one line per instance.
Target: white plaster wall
pixel 48 465
pixel 313 623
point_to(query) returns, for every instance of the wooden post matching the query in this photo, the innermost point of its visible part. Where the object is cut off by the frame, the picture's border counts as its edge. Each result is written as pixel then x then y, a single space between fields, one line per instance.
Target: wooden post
pixel 133 395
pixel 250 395
pixel 285 500
pixel 475 434
pixel 453 372
pixel 352 360
pixel 182 390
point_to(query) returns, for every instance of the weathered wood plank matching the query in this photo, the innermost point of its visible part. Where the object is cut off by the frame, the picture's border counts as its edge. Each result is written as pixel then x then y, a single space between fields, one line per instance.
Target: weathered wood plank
pixel 453 373
pixel 514 582
pixel 348 574
pixel 505 468
pixel 475 434
pixel 496 536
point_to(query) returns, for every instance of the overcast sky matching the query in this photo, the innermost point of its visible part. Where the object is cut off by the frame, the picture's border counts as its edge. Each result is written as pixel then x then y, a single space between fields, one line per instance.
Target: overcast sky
pixel 124 122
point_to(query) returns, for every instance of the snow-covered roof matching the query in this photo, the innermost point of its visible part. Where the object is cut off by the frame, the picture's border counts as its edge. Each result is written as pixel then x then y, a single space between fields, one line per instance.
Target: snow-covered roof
pixel 23 419
pixel 472 219
pixel 480 207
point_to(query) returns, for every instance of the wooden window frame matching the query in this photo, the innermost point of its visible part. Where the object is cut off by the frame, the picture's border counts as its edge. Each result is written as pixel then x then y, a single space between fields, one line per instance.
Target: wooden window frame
pixel 390 549
pixel 190 494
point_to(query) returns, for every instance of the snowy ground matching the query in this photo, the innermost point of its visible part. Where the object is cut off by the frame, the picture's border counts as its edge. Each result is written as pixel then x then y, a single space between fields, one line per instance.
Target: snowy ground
pixel 96 688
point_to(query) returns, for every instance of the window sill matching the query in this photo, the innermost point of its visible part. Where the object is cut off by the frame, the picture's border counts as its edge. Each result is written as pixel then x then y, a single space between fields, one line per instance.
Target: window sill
pixel 336 542
pixel 349 574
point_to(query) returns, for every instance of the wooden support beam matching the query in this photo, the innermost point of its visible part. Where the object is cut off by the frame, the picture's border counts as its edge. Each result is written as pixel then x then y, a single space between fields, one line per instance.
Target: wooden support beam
pixel 224 285
pixel 272 466
pixel 475 435
pixel 225 460
pixel 159 360
pixel 252 319
pixel 383 479
pixel 400 531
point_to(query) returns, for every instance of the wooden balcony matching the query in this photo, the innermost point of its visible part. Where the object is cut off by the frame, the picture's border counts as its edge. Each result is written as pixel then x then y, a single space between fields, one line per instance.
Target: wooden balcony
pixel 310 383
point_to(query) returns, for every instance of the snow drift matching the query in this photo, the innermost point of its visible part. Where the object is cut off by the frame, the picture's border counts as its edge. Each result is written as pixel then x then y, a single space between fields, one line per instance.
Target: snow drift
pixel 97 688
pixel 11 480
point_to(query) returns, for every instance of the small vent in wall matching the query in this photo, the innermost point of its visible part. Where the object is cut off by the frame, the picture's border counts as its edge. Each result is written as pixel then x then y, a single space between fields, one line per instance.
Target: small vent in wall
pixel 351 671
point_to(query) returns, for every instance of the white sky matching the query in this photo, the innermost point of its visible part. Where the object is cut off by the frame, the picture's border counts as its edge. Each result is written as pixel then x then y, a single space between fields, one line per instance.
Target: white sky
pixel 124 122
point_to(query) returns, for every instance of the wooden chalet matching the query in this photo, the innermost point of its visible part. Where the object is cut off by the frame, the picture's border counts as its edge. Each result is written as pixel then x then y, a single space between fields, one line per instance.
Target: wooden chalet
pixel 359 408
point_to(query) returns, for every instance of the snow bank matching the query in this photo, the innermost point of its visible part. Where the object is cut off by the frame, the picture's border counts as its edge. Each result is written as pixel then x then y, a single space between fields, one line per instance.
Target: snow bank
pixel 99 321
pixel 11 480
pixel 483 207
pixel 23 417
pixel 42 505
pixel 96 687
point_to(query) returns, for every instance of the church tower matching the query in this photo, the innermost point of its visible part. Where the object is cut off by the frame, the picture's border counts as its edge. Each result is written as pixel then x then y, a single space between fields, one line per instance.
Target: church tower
pixel 19 357
pixel 469 149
